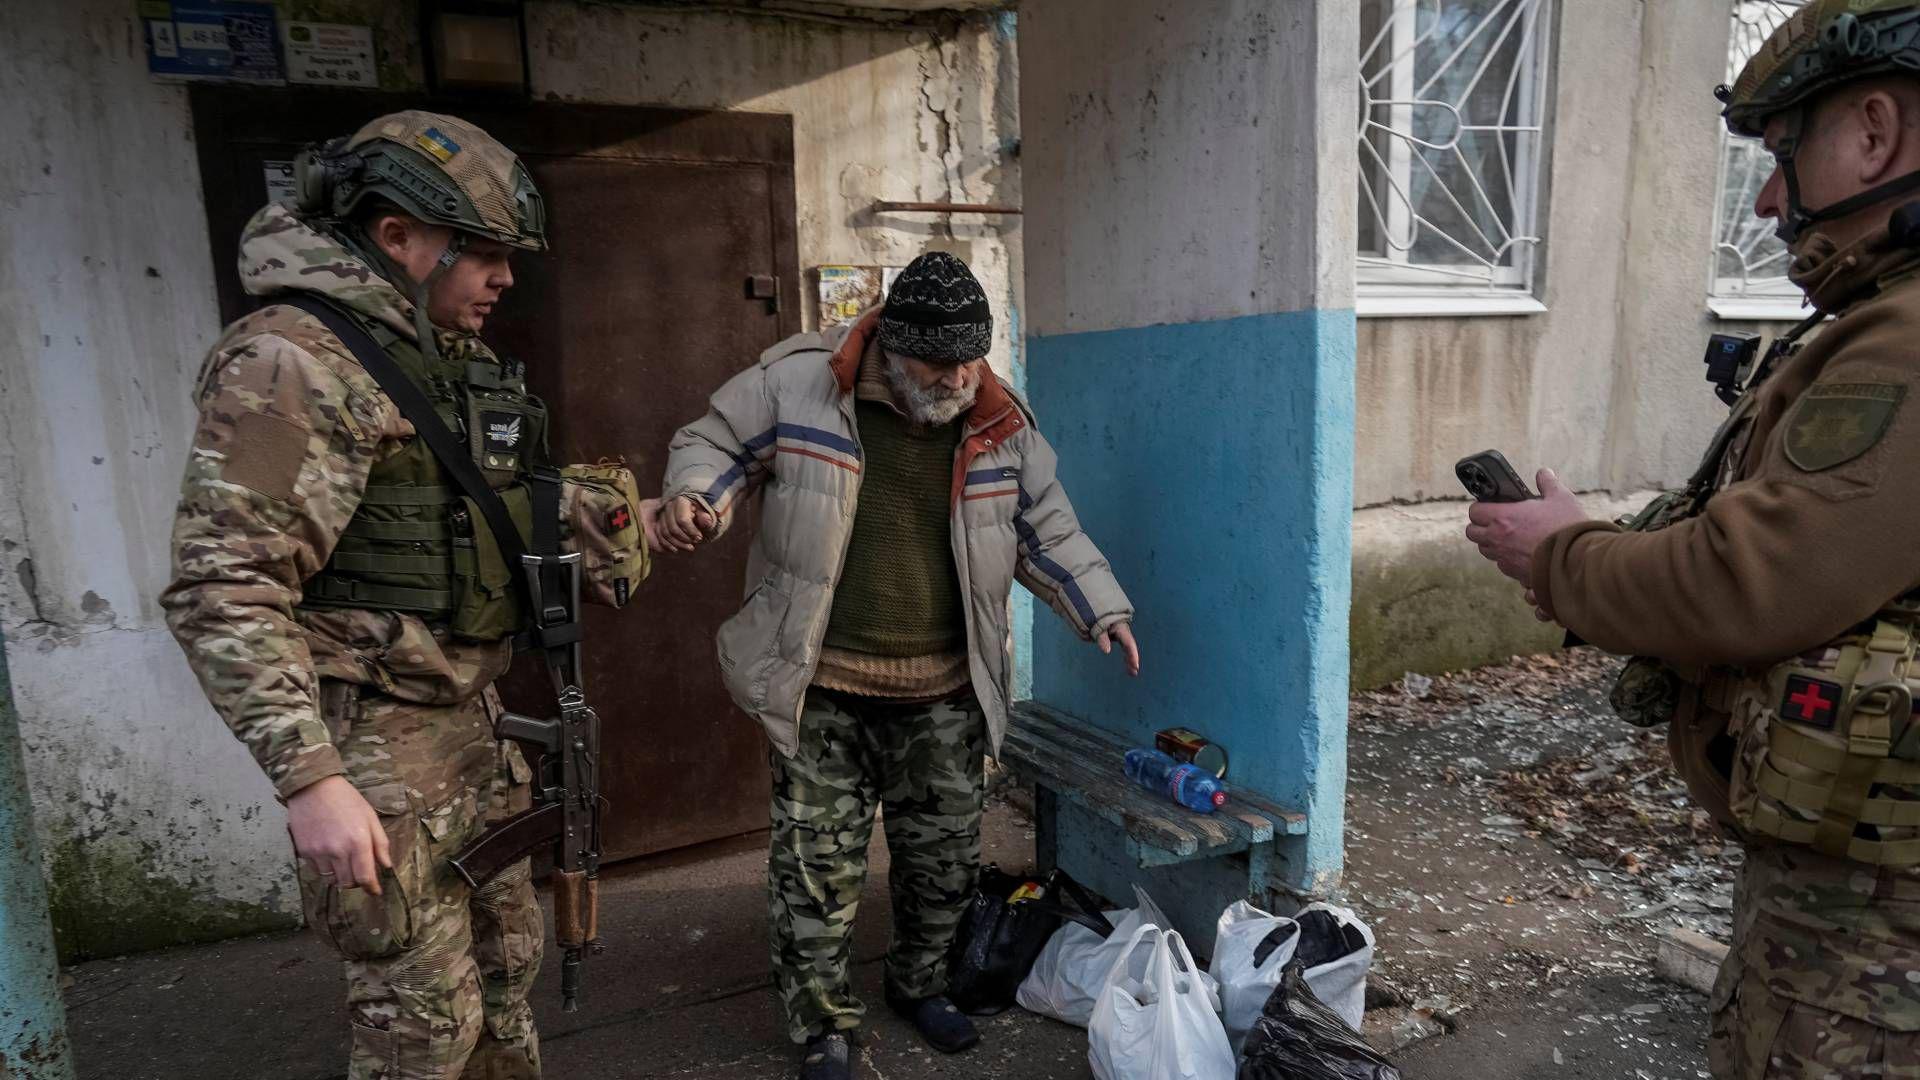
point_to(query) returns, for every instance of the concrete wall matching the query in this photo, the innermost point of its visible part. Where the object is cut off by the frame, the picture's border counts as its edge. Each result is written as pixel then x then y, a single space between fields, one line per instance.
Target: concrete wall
pixel 1606 387
pixel 1191 336
pixel 157 825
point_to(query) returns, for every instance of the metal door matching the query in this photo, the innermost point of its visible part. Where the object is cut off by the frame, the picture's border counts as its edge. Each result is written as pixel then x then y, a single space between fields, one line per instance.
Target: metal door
pixel 670 231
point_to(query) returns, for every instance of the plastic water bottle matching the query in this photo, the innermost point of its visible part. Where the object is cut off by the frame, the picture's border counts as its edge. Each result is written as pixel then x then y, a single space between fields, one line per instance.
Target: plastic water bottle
pixel 1189 785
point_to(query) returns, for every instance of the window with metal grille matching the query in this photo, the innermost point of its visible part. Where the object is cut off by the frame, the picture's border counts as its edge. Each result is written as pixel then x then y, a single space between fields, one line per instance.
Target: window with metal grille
pixel 1453 100
pixel 1749 262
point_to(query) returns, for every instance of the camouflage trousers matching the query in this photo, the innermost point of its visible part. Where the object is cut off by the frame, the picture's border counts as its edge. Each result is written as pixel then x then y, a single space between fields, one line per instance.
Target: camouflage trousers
pixel 437 973
pixel 924 766
pixel 1823 979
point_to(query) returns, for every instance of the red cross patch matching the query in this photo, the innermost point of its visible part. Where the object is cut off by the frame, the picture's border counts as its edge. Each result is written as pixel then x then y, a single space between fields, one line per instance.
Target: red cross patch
pixel 619 519
pixel 1813 702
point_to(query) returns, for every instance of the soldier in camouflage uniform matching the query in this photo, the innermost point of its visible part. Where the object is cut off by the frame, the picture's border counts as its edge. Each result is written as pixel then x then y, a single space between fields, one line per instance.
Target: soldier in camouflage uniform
pixel 904 489
pixel 326 594
pixel 1774 605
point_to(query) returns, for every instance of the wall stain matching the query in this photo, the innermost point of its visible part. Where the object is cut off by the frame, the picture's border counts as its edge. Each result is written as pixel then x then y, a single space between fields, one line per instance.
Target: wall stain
pixel 107 901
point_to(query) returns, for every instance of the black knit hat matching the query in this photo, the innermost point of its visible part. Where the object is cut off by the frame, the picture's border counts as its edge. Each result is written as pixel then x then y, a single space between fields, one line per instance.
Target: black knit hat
pixel 937 312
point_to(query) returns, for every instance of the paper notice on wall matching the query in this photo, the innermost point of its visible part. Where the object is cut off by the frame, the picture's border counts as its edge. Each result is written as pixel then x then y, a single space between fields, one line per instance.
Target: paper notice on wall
pixel 846 291
pixel 331 54
pixel 217 40
pixel 279 177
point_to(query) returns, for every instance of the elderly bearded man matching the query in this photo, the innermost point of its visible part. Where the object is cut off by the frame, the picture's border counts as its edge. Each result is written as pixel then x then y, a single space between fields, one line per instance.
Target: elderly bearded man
pixel 904 488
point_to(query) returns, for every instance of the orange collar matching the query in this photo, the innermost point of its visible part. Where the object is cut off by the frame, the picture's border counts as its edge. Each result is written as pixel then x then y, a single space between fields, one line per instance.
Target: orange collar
pixel 990 405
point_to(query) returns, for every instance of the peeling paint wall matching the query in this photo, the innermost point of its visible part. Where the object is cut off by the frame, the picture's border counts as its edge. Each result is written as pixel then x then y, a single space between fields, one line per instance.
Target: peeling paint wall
pixel 1605 387
pixel 156 825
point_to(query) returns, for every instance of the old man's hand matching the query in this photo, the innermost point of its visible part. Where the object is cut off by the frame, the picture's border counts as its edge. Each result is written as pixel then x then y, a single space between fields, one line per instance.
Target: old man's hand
pixel 678 525
pixel 1508 532
pixel 1123 633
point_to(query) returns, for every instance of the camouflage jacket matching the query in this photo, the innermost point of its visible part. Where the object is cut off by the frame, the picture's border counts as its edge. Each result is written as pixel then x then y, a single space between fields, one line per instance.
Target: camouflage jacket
pixel 289 426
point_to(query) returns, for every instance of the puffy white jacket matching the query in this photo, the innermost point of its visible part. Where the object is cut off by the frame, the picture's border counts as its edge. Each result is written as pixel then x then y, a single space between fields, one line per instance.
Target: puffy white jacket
pixel 785 429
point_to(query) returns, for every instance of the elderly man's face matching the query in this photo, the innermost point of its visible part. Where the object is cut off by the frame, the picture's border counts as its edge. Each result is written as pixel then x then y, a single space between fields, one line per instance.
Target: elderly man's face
pixel 934 394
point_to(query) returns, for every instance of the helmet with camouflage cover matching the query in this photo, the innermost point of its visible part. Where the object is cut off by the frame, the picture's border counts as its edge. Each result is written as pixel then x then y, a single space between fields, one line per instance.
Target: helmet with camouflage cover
pixel 440 169
pixel 1821 46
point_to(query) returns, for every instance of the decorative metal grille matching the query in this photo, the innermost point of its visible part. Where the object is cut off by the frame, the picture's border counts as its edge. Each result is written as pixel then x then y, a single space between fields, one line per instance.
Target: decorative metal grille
pixel 1452 103
pixel 1749 261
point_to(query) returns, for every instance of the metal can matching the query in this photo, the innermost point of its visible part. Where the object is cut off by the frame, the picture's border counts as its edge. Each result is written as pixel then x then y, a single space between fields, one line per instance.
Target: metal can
pixel 1186 744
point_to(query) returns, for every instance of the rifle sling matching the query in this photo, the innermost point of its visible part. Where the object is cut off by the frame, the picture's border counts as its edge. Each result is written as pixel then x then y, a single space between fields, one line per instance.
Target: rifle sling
pixel 427 424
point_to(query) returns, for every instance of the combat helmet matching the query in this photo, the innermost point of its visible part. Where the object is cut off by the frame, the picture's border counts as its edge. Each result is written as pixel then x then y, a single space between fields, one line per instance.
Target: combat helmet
pixel 440 169
pixel 1821 46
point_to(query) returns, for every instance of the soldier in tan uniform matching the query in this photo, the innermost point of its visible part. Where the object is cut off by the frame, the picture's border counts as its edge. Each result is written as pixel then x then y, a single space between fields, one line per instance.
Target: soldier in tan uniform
pixel 345 607
pixel 1771 606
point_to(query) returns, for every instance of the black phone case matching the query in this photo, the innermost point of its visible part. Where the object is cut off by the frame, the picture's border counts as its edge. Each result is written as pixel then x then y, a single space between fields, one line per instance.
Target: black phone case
pixel 1489 478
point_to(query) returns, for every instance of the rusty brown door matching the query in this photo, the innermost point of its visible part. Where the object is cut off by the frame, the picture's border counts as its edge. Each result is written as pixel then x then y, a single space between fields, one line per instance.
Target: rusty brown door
pixel 669 230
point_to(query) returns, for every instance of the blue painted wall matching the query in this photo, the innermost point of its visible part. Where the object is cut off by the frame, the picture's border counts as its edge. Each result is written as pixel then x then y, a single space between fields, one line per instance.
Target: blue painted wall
pixel 33 1037
pixel 1213 463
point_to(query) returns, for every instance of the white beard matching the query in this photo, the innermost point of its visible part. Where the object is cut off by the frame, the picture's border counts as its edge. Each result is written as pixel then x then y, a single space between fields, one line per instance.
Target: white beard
pixel 929 406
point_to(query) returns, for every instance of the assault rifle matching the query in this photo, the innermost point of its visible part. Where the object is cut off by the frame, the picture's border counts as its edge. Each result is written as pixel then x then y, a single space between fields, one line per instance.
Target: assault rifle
pixel 568 808
pixel 567 781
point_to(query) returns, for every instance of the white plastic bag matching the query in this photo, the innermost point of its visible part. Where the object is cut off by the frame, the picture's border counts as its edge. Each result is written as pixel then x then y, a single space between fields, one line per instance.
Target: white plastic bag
pixel 1153 1019
pixel 1072 968
pixel 1340 983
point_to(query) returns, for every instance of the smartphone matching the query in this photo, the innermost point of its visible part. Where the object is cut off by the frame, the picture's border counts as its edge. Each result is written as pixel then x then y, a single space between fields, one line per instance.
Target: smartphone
pixel 1488 478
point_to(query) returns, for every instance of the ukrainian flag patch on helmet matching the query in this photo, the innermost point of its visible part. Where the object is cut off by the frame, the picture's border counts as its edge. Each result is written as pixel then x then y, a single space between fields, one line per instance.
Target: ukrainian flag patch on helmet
pixel 437 144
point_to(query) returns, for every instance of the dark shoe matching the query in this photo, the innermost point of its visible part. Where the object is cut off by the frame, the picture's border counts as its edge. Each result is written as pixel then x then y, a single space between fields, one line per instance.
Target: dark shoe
pixel 827 1057
pixel 939 1021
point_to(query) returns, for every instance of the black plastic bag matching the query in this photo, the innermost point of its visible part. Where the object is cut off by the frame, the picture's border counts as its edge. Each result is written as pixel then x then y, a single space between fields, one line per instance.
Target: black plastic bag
pixel 1298 1038
pixel 998 939
pixel 1324 939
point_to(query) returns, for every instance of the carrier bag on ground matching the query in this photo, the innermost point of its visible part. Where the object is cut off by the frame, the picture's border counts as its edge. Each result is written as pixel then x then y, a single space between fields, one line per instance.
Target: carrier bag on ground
pixel 1252 948
pixel 1155 1017
pixel 1071 970
pixel 1009 920
pixel 1299 1038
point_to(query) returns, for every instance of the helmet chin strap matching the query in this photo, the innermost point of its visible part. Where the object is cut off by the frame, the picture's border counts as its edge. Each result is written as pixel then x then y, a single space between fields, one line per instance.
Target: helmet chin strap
pixel 422 325
pixel 1798 218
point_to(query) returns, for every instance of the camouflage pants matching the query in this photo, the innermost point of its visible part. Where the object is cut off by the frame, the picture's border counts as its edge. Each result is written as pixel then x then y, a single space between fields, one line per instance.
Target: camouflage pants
pixel 924 765
pixel 437 974
pixel 1823 979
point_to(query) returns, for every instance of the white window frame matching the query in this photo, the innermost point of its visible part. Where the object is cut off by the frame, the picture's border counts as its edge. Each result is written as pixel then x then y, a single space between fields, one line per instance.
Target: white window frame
pixel 1766 297
pixel 1505 279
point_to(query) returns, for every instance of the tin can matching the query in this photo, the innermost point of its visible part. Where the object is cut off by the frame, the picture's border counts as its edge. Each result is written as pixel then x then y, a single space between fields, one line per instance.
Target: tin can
pixel 1186 744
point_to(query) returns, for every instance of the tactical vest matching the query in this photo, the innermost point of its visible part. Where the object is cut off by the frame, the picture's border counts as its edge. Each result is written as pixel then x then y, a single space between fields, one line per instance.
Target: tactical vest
pixel 416 544
pixel 1828 755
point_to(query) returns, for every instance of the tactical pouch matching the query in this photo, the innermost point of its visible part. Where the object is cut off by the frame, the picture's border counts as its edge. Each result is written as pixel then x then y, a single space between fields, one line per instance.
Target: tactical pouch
pixel 486 593
pixel 1828 755
pixel 1646 693
pixel 503 429
pixel 599 518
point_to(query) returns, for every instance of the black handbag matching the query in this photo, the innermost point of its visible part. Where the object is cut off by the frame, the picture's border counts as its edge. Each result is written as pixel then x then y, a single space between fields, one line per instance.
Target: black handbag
pixel 999 938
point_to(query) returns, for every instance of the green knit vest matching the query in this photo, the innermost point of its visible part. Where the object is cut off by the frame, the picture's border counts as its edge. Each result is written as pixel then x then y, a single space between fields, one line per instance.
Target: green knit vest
pixel 899 594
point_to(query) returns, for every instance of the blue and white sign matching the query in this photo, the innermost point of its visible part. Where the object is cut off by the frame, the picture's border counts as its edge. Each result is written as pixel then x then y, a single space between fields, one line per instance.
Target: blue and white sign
pixel 224 40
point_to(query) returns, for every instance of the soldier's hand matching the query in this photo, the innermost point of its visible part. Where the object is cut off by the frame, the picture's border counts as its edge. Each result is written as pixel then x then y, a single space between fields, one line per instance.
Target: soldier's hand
pixel 1539 612
pixel 336 830
pixel 680 525
pixel 1123 633
pixel 1507 533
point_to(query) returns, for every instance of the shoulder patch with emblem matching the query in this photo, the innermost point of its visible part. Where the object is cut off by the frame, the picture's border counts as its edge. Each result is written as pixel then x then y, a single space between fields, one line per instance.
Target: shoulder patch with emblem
pixel 1837 422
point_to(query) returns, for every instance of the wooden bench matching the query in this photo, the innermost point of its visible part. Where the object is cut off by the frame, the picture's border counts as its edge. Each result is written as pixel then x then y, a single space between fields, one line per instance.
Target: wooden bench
pixel 1066 758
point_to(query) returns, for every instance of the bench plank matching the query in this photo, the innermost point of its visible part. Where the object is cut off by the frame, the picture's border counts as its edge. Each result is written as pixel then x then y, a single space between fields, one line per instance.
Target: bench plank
pixel 1077 736
pixel 1075 781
